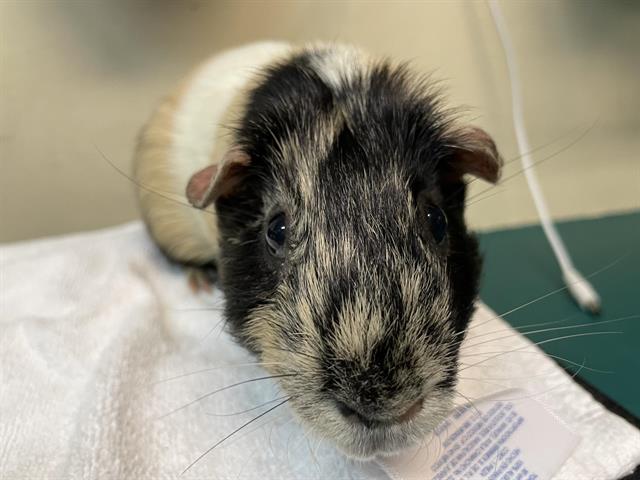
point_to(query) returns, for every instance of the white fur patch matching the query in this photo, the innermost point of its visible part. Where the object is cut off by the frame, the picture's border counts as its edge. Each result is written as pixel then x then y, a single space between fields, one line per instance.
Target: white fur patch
pixel 210 93
pixel 339 65
pixel 184 136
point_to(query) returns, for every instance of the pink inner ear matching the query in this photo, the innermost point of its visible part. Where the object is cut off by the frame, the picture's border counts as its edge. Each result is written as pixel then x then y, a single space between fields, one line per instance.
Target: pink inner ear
pixel 200 185
pixel 476 155
pixel 480 164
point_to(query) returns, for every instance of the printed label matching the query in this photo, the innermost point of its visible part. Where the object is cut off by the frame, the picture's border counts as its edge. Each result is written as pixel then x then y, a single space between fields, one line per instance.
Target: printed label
pixel 507 436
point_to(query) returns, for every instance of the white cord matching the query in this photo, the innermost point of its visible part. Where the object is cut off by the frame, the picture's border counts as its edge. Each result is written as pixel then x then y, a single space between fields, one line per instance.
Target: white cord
pixel 580 288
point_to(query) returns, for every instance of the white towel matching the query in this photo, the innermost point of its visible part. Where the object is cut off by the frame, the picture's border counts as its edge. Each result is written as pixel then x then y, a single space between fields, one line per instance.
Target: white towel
pixel 89 323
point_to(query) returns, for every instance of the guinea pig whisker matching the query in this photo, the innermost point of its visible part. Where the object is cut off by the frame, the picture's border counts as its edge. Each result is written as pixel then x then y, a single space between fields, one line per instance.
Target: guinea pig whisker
pixel 220 367
pixel 262 425
pixel 550 373
pixel 542 342
pixel 559 359
pixel 593 274
pixel 291 420
pixel 268 402
pixel 259 426
pixel 421 448
pixel 169 196
pixel 222 321
pixel 320 439
pixel 544 296
pixel 165 195
pixel 220 442
pixel 534 150
pixel 486 197
pixel 536 394
pixel 538 324
pixel 210 394
pixel 518 329
pixel 470 402
pixel 522 170
pixel 486 382
pixel 556 139
pixel 305 439
pixel 239 436
pixel 542 160
pixel 440 448
pixel 288 448
pixel 544 330
pixel 549 340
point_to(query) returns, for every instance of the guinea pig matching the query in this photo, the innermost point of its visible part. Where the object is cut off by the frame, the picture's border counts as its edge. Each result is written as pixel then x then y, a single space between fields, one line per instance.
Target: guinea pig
pixel 327 188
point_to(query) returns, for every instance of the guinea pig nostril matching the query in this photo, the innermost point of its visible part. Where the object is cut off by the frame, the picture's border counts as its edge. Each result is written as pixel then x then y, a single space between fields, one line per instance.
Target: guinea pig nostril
pixel 353 416
pixel 346 410
pixel 412 411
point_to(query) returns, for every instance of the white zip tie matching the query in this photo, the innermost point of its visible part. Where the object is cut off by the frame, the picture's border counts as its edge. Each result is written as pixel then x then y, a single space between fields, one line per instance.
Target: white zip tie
pixel 581 290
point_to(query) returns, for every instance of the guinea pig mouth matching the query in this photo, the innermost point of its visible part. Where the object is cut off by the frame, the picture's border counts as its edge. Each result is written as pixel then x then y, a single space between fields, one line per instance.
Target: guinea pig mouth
pixel 381 440
pixel 363 439
pixel 366 440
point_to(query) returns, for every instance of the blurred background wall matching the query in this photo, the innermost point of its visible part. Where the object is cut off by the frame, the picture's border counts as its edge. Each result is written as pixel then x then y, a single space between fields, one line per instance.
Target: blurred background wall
pixel 79 74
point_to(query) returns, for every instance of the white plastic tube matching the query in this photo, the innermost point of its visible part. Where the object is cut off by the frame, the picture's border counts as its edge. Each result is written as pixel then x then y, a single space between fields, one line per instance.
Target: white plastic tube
pixel 581 290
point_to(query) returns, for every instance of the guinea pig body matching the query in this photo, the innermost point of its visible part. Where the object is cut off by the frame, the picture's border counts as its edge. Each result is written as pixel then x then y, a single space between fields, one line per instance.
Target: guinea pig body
pixel 338 231
pixel 186 133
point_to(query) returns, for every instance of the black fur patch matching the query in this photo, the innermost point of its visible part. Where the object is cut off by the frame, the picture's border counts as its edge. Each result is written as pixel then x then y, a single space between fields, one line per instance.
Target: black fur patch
pixel 390 144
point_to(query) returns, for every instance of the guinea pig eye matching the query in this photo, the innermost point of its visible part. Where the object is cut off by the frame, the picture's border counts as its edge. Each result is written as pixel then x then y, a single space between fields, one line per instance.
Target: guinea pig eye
pixel 437 223
pixel 276 235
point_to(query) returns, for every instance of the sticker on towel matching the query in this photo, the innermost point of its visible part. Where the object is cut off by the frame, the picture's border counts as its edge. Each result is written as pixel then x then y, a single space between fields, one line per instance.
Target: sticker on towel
pixel 506 436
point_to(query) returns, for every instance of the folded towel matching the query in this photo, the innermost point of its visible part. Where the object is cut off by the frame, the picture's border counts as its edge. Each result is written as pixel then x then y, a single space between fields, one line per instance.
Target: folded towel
pixel 94 326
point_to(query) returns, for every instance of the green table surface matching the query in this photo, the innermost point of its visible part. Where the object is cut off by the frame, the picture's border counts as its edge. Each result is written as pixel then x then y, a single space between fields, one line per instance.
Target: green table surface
pixel 520 267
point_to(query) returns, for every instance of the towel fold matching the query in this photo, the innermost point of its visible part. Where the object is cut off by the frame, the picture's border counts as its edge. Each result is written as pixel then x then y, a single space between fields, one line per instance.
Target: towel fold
pixel 102 343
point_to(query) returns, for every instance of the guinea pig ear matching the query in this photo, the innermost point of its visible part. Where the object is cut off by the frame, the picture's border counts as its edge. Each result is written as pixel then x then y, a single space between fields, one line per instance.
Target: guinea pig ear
pixel 475 153
pixel 218 181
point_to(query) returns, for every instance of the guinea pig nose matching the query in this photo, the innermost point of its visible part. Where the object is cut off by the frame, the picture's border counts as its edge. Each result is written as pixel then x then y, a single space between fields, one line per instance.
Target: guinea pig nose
pixel 353 415
pixel 412 412
pixel 346 410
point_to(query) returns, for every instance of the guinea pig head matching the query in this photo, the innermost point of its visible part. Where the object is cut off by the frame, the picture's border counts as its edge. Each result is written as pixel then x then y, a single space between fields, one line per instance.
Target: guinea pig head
pixel 346 263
